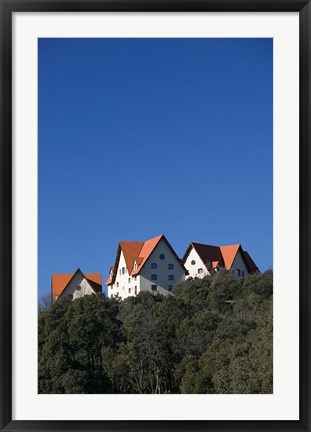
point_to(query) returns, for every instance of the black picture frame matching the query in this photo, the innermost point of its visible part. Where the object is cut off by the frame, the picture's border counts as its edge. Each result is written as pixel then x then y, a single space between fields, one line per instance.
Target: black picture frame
pixel 8 7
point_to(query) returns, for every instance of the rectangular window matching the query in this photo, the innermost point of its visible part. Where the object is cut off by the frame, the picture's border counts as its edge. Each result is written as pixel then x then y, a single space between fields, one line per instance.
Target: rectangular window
pixel 120 271
pixel 170 287
pixel 129 290
pixel 154 287
pixel 154 277
pixel 129 280
pixel 170 266
pixel 70 296
pixel 171 277
pixel 135 277
pixel 135 290
pixel 117 284
pixel 123 270
pixel 243 274
pixel 238 272
pixel 154 265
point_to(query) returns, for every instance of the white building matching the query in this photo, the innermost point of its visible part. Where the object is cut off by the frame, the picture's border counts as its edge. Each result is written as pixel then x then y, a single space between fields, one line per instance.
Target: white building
pixel 145 266
pixel 75 285
pixel 202 260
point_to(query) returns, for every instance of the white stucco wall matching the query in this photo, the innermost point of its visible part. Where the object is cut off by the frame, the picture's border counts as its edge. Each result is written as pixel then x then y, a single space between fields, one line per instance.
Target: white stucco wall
pixel 193 269
pixel 238 264
pixel 78 287
pixel 161 271
pixel 123 282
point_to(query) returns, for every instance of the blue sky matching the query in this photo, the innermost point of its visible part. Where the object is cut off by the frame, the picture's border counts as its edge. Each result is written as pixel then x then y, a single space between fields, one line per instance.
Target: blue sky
pixel 139 137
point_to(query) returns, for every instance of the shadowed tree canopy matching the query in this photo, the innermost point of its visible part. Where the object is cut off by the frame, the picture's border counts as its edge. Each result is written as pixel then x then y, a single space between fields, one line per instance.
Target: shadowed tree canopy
pixel 213 335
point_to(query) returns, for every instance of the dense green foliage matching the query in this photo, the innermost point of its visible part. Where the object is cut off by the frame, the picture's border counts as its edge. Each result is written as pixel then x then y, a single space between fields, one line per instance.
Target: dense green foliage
pixel 212 335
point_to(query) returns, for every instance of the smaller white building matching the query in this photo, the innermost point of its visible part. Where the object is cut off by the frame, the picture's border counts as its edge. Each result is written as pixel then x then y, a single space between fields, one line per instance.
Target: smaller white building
pixel 202 260
pixel 75 285
pixel 151 266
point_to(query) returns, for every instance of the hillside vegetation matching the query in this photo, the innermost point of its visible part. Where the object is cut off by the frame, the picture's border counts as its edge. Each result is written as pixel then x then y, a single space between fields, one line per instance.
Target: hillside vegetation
pixel 212 335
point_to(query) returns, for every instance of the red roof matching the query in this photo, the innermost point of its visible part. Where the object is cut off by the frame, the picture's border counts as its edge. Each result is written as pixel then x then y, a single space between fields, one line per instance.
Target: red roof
pixel 130 251
pixel 60 282
pixel 145 252
pixel 222 255
pixel 138 252
pixel 207 253
pixel 228 254
pixel 108 281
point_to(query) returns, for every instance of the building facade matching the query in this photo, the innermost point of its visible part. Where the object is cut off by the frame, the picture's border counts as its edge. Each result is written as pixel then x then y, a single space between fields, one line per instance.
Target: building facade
pixel 151 266
pixel 75 285
pixel 202 260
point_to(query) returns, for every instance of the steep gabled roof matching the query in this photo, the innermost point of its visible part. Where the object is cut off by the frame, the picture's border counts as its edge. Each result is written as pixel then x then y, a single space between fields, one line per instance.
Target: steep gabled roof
pixel 61 281
pixel 95 280
pixel 207 253
pixel 222 255
pixel 138 252
pixel 108 281
pixel 228 254
pixel 130 250
pixel 252 268
pixel 145 252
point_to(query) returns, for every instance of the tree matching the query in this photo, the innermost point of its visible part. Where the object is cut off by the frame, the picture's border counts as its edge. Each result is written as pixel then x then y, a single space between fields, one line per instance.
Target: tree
pixel 45 302
pixel 213 335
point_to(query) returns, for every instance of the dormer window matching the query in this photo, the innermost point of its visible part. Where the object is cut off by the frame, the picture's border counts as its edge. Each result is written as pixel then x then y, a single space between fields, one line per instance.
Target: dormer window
pixel 135 265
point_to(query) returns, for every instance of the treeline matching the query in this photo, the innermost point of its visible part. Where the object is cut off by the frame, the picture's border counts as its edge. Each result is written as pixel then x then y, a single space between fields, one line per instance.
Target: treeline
pixel 212 335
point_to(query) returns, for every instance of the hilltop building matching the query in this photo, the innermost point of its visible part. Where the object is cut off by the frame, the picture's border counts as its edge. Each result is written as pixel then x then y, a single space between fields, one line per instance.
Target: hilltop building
pixel 152 266
pixel 75 285
pixel 202 260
